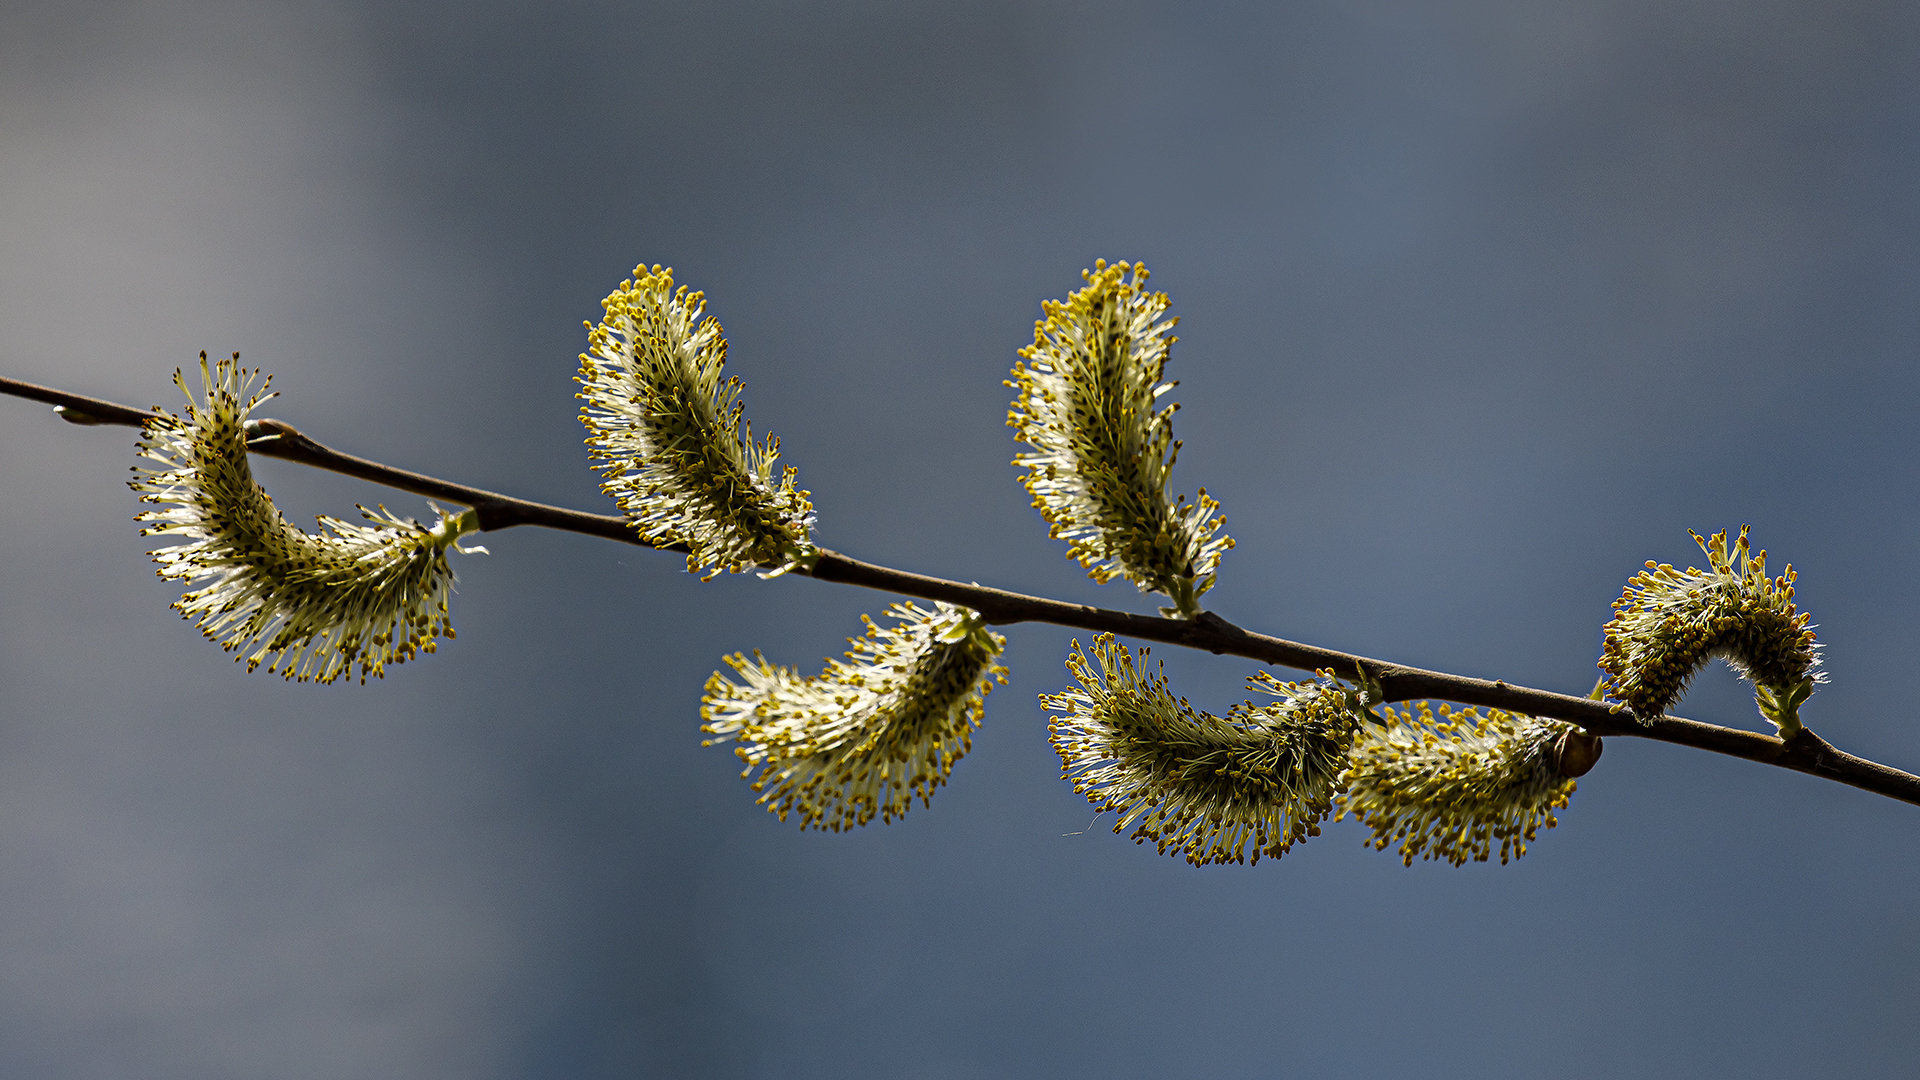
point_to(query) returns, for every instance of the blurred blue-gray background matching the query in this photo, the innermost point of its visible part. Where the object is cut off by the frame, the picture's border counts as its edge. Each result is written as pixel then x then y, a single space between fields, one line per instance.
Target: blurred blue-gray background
pixel 1483 305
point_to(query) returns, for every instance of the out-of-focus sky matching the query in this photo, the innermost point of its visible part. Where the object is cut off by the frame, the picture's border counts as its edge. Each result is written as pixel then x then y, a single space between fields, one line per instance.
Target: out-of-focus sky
pixel 1483 305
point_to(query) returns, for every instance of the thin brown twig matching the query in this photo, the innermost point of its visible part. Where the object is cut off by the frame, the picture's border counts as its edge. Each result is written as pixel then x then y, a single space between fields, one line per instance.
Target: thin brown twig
pixel 1807 752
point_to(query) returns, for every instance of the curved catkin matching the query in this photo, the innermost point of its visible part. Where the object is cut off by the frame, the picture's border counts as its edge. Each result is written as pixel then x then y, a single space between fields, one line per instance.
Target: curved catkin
pixel 668 438
pixel 307 606
pixel 1103 449
pixel 1449 787
pixel 1668 623
pixel 868 734
pixel 1208 789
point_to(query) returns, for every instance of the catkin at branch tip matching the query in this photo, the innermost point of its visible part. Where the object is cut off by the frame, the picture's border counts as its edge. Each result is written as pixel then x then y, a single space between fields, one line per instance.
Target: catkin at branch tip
pixel 1669 623
pixel 1088 404
pixel 307 606
pixel 669 440
pixel 869 734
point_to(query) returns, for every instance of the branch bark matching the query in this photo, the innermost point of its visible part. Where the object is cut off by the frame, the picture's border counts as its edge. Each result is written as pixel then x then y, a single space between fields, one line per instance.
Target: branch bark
pixel 1806 752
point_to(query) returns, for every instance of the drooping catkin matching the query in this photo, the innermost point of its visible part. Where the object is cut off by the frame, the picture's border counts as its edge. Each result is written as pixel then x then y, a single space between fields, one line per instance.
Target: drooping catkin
pixel 308 606
pixel 1450 786
pixel 870 733
pixel 1206 788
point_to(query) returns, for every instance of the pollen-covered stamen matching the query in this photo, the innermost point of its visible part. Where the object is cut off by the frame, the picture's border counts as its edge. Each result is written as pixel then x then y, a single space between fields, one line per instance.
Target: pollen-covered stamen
pixel 668 437
pixel 1103 446
pixel 1449 787
pixel 868 734
pixel 1197 785
pixel 1669 623
pixel 307 606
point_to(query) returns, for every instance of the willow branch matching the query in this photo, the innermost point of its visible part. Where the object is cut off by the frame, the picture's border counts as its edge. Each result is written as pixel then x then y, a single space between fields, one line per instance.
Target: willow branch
pixel 1806 752
pixel 278 439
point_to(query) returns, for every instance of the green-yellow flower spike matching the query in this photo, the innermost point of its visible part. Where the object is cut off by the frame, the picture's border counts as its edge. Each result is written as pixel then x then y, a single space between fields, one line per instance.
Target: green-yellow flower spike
pixel 1103 446
pixel 667 435
pixel 868 734
pixel 1669 623
pixel 1199 786
pixel 1448 787
pixel 308 606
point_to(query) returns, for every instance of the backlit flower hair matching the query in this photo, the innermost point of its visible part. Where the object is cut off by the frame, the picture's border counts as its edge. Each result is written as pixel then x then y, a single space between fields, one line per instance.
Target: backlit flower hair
pixel 1103 446
pixel 868 734
pixel 308 606
pixel 1206 788
pixel 667 435
pixel 1669 623
pixel 1448 787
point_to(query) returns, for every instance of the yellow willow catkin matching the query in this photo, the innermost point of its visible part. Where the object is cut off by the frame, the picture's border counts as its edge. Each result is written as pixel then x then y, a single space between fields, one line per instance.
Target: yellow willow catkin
pixel 1450 786
pixel 667 434
pixel 1669 623
pixel 868 734
pixel 1103 448
pixel 308 606
pixel 1209 789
